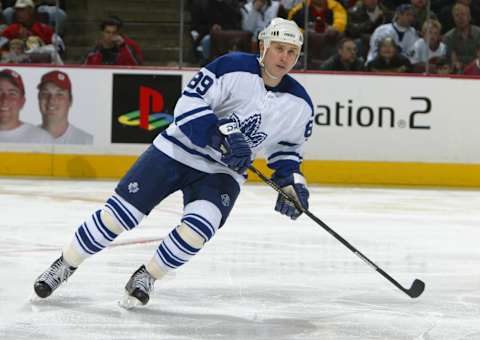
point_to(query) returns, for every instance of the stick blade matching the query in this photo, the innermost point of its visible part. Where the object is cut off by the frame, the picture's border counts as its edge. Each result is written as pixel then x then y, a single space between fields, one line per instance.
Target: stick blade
pixel 417 288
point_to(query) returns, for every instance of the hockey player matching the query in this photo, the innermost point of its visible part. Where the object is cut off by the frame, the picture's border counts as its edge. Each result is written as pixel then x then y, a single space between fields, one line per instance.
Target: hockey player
pixel 233 108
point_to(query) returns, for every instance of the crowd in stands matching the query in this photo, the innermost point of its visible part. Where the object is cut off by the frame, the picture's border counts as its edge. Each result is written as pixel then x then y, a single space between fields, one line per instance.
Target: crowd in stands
pixel 341 35
pixel 352 35
pixel 31 32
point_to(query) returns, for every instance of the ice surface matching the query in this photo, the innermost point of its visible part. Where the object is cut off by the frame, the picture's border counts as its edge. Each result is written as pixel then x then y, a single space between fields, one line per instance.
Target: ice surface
pixel 261 277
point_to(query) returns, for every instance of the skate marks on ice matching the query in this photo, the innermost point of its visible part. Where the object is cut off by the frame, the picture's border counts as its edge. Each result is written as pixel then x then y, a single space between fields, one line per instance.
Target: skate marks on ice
pixel 165 319
pixel 263 277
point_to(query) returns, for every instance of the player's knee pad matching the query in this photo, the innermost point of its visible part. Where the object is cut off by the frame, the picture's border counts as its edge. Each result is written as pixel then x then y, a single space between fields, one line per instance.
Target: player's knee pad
pixel 202 218
pixel 119 215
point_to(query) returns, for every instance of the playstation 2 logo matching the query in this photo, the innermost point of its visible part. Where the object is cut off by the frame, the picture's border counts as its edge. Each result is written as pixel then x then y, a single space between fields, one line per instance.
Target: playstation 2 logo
pixel 150 115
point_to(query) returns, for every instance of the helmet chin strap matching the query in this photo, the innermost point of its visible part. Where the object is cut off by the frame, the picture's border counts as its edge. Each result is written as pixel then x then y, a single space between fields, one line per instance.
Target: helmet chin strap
pixel 260 61
pixel 269 74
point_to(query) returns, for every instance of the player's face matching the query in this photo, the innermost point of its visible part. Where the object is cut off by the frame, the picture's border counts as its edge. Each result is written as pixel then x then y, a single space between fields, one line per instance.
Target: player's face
pixel 54 102
pixel 11 102
pixel 280 58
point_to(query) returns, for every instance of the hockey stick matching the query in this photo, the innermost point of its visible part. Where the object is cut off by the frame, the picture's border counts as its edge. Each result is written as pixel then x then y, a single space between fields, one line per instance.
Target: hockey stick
pixel 417 286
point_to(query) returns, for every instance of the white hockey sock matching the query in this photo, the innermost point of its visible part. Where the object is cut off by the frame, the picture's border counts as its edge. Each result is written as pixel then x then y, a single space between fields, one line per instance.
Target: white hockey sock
pixel 200 222
pixel 101 229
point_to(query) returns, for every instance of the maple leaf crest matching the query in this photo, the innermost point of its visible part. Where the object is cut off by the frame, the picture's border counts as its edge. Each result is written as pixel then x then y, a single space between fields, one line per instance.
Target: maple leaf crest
pixel 249 128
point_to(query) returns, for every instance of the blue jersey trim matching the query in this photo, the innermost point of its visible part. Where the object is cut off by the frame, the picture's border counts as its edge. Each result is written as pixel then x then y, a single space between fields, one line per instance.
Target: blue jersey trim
pixel 192 112
pixel 234 62
pixel 193 95
pixel 285 153
pixel 290 85
pixel 247 62
pixel 287 143
pixel 187 149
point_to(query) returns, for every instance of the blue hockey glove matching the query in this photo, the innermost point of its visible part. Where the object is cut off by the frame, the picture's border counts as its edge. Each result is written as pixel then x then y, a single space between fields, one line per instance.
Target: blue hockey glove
pixel 296 187
pixel 236 152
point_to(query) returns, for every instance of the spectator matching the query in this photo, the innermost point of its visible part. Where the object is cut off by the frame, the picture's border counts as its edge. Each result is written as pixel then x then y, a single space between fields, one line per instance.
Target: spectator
pixel 421 12
pixel 363 19
pixel 348 3
pixel 12 100
pixel 345 59
pixel 38 52
pixel 392 4
pixel 327 16
pixel 15 53
pixel 286 6
pixel 473 69
pixel 113 47
pixel 400 30
pixel 55 16
pixel 212 15
pixel 463 40
pixel 257 14
pixel 27 26
pixel 54 101
pixel 430 48
pixel 389 58
pixel 445 13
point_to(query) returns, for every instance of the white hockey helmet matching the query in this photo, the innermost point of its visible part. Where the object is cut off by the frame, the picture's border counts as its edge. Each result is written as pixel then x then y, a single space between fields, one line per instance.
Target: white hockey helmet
pixel 281 30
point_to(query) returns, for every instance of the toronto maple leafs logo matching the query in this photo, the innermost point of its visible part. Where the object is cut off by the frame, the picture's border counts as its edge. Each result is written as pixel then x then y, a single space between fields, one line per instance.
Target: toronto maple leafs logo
pixel 249 128
pixel 133 187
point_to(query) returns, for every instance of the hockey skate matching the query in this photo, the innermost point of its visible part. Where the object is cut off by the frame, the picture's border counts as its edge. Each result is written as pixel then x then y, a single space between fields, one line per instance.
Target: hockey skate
pixel 138 289
pixel 51 279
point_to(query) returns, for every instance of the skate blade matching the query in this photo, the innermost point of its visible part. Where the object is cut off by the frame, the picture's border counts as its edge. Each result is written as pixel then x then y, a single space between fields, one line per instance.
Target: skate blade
pixel 129 302
pixel 34 298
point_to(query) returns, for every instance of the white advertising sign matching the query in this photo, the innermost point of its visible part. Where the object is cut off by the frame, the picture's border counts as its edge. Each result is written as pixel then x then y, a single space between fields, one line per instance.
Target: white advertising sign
pixel 357 117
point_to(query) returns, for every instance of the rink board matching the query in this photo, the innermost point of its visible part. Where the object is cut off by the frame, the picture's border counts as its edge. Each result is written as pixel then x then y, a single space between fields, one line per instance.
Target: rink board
pixel 368 129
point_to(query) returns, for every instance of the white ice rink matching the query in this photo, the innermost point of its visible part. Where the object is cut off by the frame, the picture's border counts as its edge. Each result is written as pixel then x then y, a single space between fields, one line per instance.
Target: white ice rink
pixel 261 277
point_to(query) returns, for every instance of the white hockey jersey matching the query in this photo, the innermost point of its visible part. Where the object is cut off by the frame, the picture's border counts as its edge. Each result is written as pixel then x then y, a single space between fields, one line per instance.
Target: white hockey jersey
pixel 276 121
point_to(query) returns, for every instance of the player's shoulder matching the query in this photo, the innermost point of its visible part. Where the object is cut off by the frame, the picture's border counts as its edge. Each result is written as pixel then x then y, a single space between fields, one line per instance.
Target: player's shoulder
pixel 234 62
pixel 293 87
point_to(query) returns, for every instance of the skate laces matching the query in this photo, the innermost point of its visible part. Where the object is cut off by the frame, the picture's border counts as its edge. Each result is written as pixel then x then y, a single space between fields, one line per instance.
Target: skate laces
pixel 56 274
pixel 143 280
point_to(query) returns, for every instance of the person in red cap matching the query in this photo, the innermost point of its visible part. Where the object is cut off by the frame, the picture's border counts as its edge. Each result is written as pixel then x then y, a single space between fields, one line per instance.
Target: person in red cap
pixel 26 25
pixel 12 100
pixel 54 101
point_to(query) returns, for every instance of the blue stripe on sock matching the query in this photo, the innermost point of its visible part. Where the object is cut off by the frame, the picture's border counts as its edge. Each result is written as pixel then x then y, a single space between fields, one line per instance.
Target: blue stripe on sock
pixel 181 244
pixel 114 212
pixel 199 232
pixel 172 255
pixel 205 221
pixel 88 244
pixel 121 213
pixel 200 226
pixel 80 242
pixel 164 260
pixel 91 238
pixel 169 258
pixel 125 209
pixel 101 227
